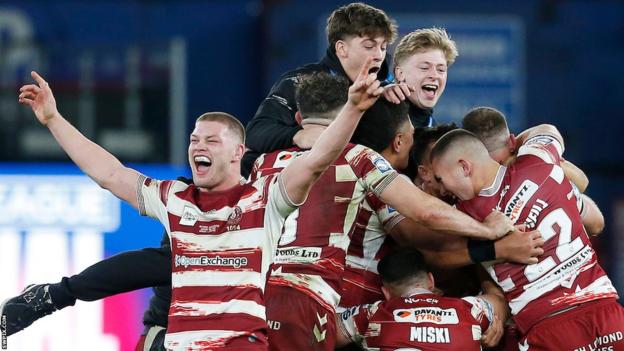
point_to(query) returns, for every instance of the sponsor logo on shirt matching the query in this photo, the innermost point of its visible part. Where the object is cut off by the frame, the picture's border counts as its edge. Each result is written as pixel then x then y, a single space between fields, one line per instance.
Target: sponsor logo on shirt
pixel 216 261
pixel 189 216
pixel 297 254
pixel 434 315
pixel 519 199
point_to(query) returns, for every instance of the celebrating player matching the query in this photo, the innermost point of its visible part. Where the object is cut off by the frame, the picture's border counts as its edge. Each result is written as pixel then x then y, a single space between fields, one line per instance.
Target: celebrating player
pixel 567 289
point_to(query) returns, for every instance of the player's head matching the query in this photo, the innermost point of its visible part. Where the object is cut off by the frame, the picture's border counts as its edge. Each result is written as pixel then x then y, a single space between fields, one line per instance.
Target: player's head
pixel 403 270
pixel 421 59
pixel 217 144
pixel 459 161
pixel 424 139
pixel 357 31
pixel 386 128
pixel 490 125
pixel 320 96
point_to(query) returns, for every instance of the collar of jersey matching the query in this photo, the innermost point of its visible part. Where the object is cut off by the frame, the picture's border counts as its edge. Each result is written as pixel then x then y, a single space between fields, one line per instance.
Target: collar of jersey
pixel 498 180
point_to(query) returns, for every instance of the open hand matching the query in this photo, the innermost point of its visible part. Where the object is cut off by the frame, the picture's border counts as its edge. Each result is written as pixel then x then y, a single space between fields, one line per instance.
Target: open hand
pixel 520 247
pixel 40 99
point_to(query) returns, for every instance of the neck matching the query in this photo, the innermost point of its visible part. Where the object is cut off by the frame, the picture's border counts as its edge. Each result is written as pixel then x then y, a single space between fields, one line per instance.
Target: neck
pixel 390 156
pixel 315 122
pixel 416 290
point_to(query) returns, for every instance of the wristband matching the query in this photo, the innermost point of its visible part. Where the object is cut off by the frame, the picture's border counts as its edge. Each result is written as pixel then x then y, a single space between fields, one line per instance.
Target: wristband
pixel 481 250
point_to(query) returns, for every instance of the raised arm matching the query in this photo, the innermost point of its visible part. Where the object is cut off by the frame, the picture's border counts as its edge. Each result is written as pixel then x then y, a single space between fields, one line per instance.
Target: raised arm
pixel 300 175
pixel 93 160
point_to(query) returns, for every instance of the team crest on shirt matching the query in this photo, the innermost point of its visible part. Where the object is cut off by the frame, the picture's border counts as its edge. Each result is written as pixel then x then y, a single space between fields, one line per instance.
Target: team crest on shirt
pixel 189 216
pixel 381 164
pixel 233 221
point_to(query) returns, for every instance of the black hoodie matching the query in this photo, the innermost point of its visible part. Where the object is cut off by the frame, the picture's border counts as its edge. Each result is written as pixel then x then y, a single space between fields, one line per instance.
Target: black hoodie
pixel 274 126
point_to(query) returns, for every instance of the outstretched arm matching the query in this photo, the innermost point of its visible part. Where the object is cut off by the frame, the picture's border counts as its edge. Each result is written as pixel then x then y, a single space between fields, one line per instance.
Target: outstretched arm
pixel 300 175
pixel 93 160
pixel 433 213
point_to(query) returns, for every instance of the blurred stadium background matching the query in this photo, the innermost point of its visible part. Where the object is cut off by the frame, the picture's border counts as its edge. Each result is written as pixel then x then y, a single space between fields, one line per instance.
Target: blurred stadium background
pixel 133 75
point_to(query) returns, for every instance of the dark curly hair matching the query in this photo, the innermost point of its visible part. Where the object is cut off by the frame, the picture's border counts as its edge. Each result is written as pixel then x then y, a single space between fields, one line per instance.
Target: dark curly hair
pixel 320 94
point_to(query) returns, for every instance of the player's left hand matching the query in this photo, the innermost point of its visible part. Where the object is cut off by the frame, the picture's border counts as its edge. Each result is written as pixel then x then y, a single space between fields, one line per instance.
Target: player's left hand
pixel 492 336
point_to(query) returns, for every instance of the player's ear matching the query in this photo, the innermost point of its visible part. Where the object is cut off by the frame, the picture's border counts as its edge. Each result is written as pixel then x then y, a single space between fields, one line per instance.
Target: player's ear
pixel 466 167
pixel 398 73
pixel 341 48
pixel 512 143
pixel 397 142
pixel 298 117
pixel 430 281
pixel 239 152
pixel 386 292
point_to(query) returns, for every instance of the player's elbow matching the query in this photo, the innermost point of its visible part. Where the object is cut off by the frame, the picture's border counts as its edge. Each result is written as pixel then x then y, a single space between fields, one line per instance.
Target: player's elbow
pixel 596 225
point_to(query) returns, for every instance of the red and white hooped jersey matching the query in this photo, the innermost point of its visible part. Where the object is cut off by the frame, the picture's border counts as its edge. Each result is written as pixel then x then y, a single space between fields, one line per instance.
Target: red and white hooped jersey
pixel 534 191
pixel 312 249
pixel 421 321
pixel 369 243
pixel 222 244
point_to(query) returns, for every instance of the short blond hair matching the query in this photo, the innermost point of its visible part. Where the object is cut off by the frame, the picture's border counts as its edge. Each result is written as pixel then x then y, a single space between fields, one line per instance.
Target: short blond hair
pixel 233 124
pixel 426 39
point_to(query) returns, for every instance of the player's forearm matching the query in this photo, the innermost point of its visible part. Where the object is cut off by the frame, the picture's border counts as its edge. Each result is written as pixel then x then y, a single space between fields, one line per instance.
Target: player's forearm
pixel 438 216
pixel 593 220
pixel 431 212
pixel 301 174
pixel 334 139
pixel 575 175
pixel 410 233
pixel 104 168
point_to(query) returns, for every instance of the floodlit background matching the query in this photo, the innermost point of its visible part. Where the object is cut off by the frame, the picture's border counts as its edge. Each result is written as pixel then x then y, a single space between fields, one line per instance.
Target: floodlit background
pixel 133 75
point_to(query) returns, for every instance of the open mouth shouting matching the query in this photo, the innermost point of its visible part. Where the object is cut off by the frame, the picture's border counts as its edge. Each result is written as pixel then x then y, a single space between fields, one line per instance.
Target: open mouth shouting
pixel 202 164
pixel 430 90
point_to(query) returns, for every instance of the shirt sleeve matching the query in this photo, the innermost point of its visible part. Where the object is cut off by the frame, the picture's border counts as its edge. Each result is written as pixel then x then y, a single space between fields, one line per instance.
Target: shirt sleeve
pixel 546 147
pixel 481 310
pixel 279 206
pixel 373 171
pixel 152 197
pixel 388 216
pixel 353 322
